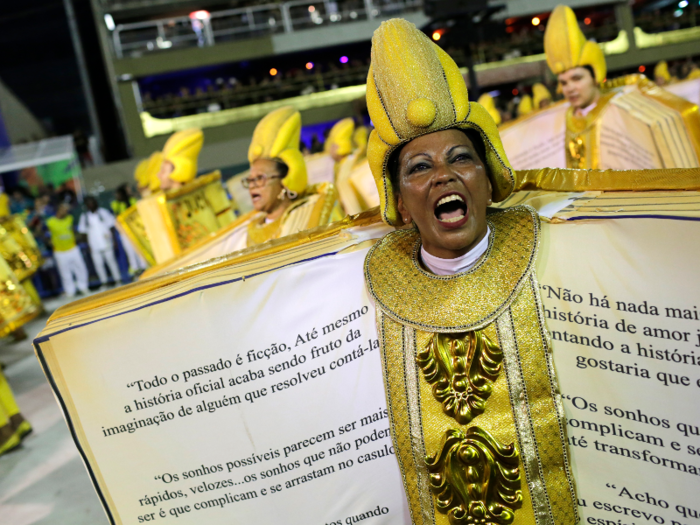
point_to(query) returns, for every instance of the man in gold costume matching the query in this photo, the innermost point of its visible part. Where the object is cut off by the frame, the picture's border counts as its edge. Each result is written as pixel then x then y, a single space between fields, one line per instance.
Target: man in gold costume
pixel 476 415
pixel 624 123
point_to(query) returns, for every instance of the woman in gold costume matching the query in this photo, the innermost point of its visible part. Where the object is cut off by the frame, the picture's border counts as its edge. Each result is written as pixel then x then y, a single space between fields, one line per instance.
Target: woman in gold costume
pixel 277 181
pixel 476 414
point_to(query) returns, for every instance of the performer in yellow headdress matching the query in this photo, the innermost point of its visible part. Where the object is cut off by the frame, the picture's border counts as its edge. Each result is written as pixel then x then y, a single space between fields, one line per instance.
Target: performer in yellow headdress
pixel 476 414
pixel 525 106
pixel 324 166
pixel 489 104
pixel 662 75
pixel 283 201
pixel 178 209
pixel 541 97
pixel 624 123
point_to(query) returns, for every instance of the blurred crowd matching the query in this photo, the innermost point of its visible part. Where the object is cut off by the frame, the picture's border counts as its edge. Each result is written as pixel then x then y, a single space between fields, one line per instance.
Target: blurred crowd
pixel 80 243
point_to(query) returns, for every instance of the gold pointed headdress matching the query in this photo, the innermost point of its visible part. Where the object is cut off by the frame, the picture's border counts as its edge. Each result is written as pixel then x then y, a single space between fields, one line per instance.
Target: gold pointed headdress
pixel 489 104
pixel 277 136
pixel 566 47
pixel 182 149
pixel 147 170
pixel 540 93
pixel 415 88
pixel 661 70
pixel 341 136
pixel 525 106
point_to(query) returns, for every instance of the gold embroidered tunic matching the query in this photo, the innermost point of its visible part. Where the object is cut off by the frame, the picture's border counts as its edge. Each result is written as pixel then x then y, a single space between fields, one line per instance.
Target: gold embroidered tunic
pixel 476 415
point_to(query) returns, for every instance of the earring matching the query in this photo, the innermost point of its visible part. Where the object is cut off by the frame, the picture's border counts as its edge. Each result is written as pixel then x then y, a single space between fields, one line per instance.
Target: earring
pixel 405 219
pixel 490 202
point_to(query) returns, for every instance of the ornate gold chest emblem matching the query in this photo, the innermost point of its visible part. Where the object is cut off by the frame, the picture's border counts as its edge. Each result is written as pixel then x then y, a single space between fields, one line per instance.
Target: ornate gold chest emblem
pixel 462 370
pixel 476 480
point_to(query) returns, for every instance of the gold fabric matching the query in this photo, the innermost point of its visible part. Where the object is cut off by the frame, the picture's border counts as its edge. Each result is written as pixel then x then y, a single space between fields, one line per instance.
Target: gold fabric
pixel 18 247
pixel 582 135
pixel 556 179
pixel 523 416
pixel 131 223
pixel 13 427
pixel 17 306
pixel 566 47
pixel 415 88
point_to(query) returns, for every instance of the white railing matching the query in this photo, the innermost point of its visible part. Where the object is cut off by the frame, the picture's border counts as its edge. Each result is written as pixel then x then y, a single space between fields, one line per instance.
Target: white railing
pixel 247 22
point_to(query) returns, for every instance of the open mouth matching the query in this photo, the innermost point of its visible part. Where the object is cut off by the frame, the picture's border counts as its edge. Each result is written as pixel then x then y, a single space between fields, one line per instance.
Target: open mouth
pixel 451 209
pixel 255 197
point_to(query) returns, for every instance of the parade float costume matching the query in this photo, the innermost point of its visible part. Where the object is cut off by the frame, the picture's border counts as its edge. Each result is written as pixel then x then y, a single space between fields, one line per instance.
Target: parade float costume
pixel 565 48
pixel 489 104
pixel 476 415
pixel 164 223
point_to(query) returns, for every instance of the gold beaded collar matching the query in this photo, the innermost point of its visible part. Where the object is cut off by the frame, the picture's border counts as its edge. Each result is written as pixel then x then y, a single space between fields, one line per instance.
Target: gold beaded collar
pixel 460 302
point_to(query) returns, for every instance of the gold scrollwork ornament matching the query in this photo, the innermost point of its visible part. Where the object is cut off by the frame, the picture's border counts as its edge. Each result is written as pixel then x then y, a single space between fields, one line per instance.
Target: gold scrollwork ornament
pixel 577 152
pixel 462 369
pixel 476 479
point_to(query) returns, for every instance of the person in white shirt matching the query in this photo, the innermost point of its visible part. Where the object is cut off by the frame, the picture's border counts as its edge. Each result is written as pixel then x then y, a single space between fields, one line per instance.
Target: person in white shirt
pixel 98 224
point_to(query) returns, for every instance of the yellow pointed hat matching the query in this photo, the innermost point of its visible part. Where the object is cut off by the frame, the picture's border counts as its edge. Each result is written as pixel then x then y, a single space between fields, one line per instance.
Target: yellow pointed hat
pixel 277 136
pixel 489 104
pixel 525 106
pixel 146 173
pixel 341 135
pixel 415 88
pixel 566 47
pixel 539 93
pixel 661 70
pixel 182 149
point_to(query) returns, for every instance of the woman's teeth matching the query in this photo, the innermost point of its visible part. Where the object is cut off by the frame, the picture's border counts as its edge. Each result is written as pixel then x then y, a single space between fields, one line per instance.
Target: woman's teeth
pixel 450 198
pixel 450 208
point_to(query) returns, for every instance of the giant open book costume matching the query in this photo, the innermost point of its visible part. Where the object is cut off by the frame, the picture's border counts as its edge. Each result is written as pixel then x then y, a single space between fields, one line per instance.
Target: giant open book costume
pixel 634 125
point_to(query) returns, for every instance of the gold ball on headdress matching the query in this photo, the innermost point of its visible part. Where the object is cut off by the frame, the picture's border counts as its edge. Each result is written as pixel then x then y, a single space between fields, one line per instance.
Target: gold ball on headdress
pixel 257 150
pixel 421 112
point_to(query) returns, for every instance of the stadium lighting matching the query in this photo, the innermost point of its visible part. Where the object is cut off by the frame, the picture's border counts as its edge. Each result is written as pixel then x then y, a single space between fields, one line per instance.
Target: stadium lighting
pixel 436 35
pixel 536 21
pixel 199 15
pixel 642 69
pixel 683 3
pixel 515 92
pixel 587 21
pixel 678 12
pixel 273 72
pixel 343 59
pixel 109 22
pixel 309 65
pixel 311 9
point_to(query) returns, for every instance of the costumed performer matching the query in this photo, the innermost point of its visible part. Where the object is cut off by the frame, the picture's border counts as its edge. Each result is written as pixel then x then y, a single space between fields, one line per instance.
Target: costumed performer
pixel 476 414
pixel 541 97
pixel 323 167
pixel 182 208
pixel 688 88
pixel 624 123
pixel 13 427
pixel 122 202
pixel 283 201
pixel 356 189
